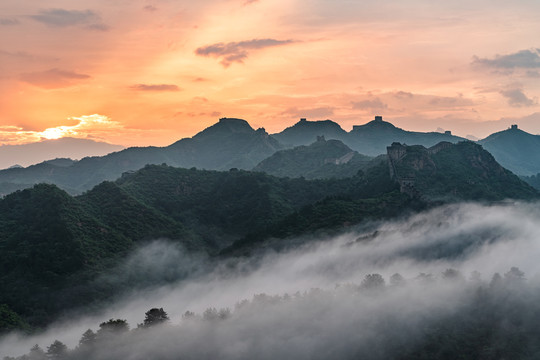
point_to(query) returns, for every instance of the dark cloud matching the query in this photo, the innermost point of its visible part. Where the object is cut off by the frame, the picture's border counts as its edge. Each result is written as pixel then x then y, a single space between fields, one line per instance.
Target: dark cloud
pixel 524 59
pixel 53 78
pixel 404 95
pixel 533 74
pixel 9 21
pixel 517 98
pixel 237 51
pixel 247 2
pixel 320 112
pixel 65 18
pixel 448 101
pixel 369 104
pixel 155 87
pixel 150 8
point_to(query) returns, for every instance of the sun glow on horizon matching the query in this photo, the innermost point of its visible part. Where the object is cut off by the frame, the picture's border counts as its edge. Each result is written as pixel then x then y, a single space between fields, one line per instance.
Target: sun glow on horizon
pixel 53 133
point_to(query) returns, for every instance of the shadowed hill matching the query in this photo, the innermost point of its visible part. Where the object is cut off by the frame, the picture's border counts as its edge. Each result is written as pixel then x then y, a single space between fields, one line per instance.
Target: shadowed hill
pixel 373 137
pixel 462 171
pixel 53 246
pixel 322 159
pixel 369 139
pixel 515 149
pixel 306 132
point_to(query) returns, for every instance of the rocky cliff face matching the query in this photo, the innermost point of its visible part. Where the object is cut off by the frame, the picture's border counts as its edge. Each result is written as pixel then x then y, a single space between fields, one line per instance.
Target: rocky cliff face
pixel 457 171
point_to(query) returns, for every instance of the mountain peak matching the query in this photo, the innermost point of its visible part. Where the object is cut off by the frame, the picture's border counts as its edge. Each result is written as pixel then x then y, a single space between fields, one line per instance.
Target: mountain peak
pixel 227 125
pixel 306 132
pixel 377 123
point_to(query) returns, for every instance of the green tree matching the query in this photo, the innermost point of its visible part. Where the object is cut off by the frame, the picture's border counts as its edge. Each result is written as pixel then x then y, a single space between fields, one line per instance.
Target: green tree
pixel 37 353
pixel 111 328
pixel 10 320
pixel 397 280
pixel 87 339
pixel 154 317
pixel 373 282
pixel 57 350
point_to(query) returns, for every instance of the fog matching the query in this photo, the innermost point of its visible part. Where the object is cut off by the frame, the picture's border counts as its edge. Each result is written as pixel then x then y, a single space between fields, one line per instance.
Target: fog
pixel 315 305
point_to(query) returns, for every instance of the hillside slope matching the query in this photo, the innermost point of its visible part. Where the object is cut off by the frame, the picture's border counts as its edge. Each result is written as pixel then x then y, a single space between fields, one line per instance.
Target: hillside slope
pixel 227 144
pixel 321 159
pixel 462 171
pixel 515 149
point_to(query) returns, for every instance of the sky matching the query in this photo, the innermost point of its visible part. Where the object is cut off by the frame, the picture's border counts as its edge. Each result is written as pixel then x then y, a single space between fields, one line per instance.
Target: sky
pixel 149 72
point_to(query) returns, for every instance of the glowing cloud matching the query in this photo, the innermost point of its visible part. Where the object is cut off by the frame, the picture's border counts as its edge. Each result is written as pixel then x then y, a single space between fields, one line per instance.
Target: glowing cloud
pixel 93 126
pixel 237 51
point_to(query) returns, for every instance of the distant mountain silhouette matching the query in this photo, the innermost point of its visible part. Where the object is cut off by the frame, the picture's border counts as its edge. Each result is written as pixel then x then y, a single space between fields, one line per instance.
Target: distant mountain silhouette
pixel 33 153
pixel 373 137
pixel 370 139
pixel 230 143
pixel 515 149
pixel 227 144
pixel 233 143
pixel 322 159
pixel 305 132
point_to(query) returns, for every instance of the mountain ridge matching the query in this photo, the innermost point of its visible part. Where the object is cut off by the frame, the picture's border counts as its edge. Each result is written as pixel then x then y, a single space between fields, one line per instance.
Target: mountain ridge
pixel 233 143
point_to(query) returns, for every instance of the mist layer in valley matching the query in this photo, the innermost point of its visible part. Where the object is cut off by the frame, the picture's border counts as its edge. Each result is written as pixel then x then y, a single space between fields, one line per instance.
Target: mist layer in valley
pixel 384 290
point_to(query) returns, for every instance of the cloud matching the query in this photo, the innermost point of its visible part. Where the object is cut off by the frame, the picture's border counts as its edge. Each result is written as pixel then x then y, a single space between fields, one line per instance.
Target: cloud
pixel 447 101
pixel 524 59
pixel 9 21
pixel 375 104
pixel 212 114
pixel 237 51
pixel 53 78
pixel 155 87
pixel 85 126
pixel 517 98
pixel 404 95
pixel 150 8
pixel 64 18
pixel 248 2
pixel 319 112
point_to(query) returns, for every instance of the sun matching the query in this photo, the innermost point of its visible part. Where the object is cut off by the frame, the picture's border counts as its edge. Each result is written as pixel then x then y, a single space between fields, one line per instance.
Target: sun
pixel 53 133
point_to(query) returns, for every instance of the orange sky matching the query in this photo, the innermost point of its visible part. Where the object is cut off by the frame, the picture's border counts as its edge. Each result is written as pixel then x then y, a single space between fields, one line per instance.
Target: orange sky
pixel 148 72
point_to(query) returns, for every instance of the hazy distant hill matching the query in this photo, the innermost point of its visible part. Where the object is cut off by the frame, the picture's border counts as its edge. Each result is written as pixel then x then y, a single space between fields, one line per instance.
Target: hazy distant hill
pixel 227 144
pixel 515 149
pixel 305 132
pixel 321 159
pixel 373 138
pixel 231 143
pixel 33 153
pixel 370 139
